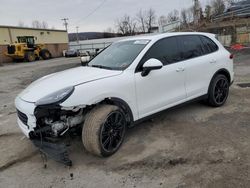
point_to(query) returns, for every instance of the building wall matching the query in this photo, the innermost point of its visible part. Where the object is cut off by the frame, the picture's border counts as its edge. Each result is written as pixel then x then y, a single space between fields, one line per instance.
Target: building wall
pixel 55 40
pixel 3 57
pixel 226 40
pixel 57 49
pixel 9 35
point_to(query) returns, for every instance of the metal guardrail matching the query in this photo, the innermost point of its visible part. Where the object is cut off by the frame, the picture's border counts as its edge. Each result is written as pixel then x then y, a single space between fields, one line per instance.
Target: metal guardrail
pixel 89 46
pixel 235 13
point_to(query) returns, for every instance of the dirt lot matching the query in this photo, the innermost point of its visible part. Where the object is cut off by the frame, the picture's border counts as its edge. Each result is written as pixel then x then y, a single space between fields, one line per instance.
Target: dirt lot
pixel 192 146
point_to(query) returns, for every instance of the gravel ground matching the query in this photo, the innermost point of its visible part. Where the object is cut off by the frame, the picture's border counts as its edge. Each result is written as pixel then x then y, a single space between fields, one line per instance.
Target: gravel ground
pixel 191 146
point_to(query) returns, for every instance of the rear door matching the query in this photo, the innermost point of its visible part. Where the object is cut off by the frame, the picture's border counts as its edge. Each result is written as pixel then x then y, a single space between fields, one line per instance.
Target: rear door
pixel 199 61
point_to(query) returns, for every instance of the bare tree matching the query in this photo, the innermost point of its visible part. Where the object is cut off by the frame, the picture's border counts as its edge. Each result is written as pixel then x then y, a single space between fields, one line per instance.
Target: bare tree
pixel 184 17
pixel 21 24
pixel 173 16
pixel 187 16
pixel 218 6
pixel 150 19
pixel 208 12
pixel 39 25
pixel 45 25
pixel 201 14
pixel 141 18
pixel 36 24
pixel 162 20
pixel 146 19
pixel 126 25
pixel 190 14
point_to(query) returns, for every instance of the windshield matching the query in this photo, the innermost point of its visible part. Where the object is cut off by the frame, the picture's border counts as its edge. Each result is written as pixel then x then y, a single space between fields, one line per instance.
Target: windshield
pixel 119 55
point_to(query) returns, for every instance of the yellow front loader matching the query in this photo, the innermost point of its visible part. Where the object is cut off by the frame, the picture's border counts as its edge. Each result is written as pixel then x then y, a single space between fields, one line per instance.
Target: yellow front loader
pixel 26 50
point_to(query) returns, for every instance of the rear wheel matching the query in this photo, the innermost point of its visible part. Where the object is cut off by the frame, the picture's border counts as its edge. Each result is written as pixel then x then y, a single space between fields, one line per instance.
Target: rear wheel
pixel 104 130
pixel 218 91
pixel 29 56
pixel 45 54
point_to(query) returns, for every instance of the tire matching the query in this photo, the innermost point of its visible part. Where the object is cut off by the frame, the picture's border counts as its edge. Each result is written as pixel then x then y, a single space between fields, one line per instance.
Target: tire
pixel 83 64
pixel 45 54
pixel 101 136
pixel 37 57
pixel 29 56
pixel 218 91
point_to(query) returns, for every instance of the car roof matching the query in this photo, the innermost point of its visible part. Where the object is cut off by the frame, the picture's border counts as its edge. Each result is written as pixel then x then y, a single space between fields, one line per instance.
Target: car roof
pixel 164 35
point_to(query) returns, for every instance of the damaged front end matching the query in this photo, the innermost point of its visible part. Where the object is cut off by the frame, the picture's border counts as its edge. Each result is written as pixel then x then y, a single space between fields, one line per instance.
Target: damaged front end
pixel 54 127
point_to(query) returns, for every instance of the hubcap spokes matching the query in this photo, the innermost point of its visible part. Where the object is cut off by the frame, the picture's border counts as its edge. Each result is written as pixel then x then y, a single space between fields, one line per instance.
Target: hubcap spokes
pixel 113 131
pixel 221 91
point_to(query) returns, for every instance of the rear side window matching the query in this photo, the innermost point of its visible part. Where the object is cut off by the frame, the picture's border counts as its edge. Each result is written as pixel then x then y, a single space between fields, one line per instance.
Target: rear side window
pixel 192 46
pixel 208 45
pixel 165 50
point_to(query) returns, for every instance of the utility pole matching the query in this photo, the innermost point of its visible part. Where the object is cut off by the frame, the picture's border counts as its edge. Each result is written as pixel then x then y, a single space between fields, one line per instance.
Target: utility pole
pixel 65 23
pixel 196 12
pixel 179 27
pixel 77 36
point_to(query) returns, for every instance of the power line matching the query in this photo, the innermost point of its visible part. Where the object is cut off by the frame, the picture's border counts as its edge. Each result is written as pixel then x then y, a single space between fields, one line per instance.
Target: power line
pixel 92 12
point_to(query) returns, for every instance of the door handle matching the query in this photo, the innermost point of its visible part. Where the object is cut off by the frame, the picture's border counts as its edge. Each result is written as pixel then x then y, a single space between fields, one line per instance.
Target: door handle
pixel 213 61
pixel 180 69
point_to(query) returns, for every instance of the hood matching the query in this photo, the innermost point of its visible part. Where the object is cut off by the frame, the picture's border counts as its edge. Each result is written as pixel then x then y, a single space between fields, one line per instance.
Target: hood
pixel 72 77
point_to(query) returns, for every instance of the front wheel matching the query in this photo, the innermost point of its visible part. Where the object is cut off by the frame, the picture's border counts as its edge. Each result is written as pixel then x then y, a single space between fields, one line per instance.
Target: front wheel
pixel 45 54
pixel 29 57
pixel 104 130
pixel 218 91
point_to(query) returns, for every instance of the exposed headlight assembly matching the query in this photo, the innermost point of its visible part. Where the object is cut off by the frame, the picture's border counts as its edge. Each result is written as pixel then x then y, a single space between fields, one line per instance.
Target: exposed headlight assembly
pixel 56 97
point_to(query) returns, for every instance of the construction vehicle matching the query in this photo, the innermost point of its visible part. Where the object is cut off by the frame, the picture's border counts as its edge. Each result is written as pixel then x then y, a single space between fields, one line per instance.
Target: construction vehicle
pixel 25 49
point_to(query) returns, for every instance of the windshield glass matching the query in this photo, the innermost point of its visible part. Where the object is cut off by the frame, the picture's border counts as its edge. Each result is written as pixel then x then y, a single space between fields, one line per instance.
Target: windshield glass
pixel 119 55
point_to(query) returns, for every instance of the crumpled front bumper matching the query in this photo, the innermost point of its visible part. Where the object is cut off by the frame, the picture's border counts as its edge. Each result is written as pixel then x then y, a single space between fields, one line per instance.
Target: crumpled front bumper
pixel 55 151
pixel 27 122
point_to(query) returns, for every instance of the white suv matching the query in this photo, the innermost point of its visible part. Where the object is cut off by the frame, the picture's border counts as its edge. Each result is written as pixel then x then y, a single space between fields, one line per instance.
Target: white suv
pixel 127 82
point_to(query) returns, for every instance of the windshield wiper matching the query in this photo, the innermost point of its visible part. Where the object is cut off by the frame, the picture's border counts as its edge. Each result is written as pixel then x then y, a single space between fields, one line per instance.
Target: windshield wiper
pixel 101 67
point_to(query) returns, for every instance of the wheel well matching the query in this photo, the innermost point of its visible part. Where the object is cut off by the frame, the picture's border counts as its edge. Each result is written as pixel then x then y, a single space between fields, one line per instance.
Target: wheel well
pixel 123 105
pixel 225 73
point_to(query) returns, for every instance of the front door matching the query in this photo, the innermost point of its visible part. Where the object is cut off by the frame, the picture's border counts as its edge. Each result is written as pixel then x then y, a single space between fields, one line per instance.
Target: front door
pixel 165 87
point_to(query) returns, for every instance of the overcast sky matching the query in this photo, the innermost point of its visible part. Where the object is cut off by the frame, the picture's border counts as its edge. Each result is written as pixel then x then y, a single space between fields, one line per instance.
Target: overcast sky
pixel 91 15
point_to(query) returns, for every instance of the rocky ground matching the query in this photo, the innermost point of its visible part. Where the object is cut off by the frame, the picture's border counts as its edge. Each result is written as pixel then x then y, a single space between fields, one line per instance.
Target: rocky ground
pixel 191 146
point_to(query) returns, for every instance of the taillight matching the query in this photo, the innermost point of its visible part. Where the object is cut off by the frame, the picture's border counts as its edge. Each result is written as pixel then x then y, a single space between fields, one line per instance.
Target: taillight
pixel 231 56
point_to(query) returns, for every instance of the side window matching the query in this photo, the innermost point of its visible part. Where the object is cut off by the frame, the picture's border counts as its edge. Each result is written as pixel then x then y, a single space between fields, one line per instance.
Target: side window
pixel 165 50
pixel 209 45
pixel 191 46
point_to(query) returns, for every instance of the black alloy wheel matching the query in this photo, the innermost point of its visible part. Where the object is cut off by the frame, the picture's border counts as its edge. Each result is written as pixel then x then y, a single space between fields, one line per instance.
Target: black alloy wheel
pixel 112 131
pixel 218 91
pixel 221 91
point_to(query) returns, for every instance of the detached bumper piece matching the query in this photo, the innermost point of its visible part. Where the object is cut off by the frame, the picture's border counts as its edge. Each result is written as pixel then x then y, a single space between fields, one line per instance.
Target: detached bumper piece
pixel 55 151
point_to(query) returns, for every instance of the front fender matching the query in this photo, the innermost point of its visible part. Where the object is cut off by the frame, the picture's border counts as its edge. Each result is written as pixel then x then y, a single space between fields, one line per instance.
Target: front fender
pixel 91 93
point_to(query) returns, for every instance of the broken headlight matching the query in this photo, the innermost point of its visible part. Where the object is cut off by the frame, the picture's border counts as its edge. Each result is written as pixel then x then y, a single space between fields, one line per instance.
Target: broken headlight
pixel 56 97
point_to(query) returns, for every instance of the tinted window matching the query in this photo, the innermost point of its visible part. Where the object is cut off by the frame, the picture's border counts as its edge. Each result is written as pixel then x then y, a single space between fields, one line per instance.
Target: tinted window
pixel 165 50
pixel 208 45
pixel 191 46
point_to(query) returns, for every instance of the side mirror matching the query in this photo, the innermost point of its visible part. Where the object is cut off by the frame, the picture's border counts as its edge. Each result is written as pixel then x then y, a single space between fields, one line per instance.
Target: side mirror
pixel 149 65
